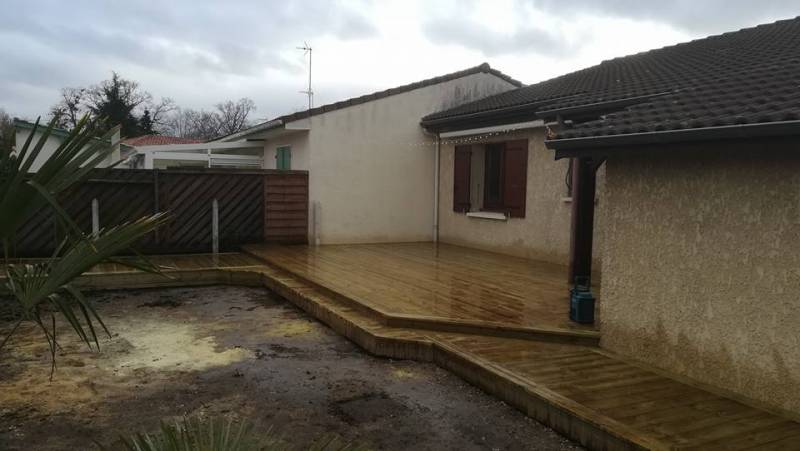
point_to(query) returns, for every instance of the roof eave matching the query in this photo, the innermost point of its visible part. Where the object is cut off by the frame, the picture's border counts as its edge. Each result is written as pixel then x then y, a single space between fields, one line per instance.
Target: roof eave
pixel 498 115
pixel 269 125
pixel 577 147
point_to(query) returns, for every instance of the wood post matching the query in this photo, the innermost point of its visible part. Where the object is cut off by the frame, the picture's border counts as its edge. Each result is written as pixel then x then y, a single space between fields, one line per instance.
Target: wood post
pixel 584 178
pixel 95 217
pixel 156 205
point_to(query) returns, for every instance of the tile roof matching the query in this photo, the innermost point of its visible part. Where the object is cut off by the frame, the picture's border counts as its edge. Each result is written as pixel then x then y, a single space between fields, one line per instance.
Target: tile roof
pixel 158 140
pixel 750 76
pixel 482 68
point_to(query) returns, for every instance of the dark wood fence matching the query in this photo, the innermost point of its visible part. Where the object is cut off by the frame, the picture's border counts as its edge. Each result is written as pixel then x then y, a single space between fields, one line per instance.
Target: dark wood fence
pixel 253 207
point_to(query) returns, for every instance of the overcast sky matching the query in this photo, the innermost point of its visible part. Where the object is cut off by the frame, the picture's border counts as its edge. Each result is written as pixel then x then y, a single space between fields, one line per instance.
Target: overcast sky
pixel 202 52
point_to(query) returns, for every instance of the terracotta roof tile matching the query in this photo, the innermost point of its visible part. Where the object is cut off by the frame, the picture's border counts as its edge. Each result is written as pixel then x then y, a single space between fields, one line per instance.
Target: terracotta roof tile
pixel 158 140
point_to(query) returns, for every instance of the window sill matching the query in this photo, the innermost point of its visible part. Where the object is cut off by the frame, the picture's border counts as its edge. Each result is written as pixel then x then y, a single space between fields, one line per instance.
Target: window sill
pixel 487 215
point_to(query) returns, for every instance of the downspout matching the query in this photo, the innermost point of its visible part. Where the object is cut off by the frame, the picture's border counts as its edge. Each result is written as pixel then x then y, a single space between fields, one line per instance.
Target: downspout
pixel 436 190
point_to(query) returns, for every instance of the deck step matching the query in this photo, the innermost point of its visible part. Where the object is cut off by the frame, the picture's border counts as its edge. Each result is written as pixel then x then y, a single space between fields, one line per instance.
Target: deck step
pixel 596 399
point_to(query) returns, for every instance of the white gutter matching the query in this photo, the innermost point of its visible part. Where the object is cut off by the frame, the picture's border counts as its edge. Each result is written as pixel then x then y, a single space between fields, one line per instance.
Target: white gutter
pixel 496 128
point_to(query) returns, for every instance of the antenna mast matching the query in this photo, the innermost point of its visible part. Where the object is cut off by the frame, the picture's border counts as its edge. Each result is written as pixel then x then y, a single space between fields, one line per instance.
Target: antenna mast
pixel 310 92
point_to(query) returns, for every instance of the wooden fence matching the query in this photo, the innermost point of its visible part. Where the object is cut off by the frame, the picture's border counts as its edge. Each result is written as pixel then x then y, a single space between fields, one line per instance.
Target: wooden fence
pixel 253 207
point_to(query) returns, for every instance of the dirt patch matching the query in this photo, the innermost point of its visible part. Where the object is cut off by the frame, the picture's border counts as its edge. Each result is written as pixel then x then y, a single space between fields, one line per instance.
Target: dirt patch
pixel 366 408
pixel 243 352
pixel 164 301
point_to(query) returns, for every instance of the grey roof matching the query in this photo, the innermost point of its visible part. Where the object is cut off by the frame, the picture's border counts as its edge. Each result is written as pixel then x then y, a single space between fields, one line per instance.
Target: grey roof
pixel 750 76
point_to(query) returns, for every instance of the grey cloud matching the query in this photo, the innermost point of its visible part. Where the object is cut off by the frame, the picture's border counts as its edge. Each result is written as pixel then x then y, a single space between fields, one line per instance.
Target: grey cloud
pixel 697 16
pixel 52 43
pixel 240 37
pixel 474 35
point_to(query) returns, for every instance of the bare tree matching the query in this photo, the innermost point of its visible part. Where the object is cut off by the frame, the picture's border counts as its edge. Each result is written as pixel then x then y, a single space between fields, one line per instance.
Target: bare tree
pixel 197 124
pixel 70 108
pixel 228 117
pixel 205 124
pixel 7 132
pixel 118 99
pixel 233 115
pixel 160 113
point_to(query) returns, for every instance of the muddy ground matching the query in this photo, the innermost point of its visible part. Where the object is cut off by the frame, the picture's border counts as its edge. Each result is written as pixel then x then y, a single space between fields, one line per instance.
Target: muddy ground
pixel 243 352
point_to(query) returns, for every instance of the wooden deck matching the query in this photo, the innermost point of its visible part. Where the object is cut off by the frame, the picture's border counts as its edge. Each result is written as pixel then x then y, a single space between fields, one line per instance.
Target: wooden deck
pixel 439 287
pixel 598 399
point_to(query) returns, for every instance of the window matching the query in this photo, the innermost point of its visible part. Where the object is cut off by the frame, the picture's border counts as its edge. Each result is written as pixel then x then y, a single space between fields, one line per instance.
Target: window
pixel 283 158
pixel 491 178
pixel 461 179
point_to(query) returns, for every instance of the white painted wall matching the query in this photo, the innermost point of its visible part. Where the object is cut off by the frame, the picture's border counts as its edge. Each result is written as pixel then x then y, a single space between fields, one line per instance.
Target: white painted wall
pixel 372 167
pixel 51 145
pixel 300 150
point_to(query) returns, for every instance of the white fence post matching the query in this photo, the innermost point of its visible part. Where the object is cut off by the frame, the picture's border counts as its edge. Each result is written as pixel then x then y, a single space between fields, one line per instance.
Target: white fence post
pixel 317 210
pixel 215 228
pixel 95 217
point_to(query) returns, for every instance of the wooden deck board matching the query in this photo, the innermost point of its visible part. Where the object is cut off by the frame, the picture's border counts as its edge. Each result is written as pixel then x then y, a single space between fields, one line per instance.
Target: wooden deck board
pixel 435 281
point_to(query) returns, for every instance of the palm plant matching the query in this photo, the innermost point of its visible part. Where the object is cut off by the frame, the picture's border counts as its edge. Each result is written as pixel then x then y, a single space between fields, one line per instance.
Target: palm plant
pixel 46 287
pixel 219 434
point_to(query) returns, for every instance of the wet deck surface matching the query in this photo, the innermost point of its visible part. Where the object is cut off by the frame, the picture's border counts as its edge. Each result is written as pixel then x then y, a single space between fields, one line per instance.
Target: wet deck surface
pixel 432 281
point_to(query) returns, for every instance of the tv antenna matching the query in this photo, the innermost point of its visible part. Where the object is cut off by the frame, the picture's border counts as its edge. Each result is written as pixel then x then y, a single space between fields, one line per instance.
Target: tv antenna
pixel 309 92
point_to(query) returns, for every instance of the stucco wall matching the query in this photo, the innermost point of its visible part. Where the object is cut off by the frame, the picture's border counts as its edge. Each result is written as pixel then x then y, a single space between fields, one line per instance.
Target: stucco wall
pixel 299 143
pixel 50 146
pixel 544 232
pixel 372 167
pixel 702 265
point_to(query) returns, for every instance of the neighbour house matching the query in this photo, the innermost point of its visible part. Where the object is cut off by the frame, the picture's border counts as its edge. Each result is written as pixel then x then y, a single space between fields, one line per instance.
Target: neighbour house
pixel 23 130
pixel 162 152
pixel 154 151
pixel 371 166
pixel 700 201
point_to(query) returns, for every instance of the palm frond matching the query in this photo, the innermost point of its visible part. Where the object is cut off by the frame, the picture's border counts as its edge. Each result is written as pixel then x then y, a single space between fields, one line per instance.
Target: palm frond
pixel 50 281
pixel 220 434
pixel 79 153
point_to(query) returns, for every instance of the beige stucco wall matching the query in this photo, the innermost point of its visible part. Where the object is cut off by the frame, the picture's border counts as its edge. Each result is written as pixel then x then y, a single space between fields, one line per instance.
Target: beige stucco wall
pixel 544 232
pixel 702 265
pixel 372 167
